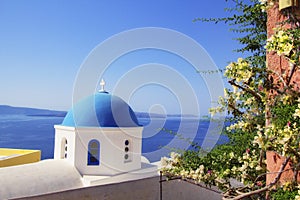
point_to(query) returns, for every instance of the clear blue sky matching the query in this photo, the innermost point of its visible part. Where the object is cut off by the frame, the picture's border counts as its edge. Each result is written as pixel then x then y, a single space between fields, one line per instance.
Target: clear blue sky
pixel 44 42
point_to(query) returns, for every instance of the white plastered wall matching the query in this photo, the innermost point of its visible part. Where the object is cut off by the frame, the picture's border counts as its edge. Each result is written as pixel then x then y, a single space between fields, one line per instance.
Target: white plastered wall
pixel 68 133
pixel 112 148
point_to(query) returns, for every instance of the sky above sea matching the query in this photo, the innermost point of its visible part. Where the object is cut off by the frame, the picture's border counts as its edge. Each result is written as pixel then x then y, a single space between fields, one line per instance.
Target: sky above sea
pixel 45 46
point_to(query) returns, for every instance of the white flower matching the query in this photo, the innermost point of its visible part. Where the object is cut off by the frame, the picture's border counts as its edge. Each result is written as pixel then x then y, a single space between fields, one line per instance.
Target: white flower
pixel 263 1
pixel 297 113
pixel 244 167
pixel 201 169
pixel 258 168
pixel 174 155
pixel 164 162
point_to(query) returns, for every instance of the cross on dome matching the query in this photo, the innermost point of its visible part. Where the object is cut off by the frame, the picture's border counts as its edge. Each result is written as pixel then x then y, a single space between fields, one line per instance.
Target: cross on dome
pixel 102 84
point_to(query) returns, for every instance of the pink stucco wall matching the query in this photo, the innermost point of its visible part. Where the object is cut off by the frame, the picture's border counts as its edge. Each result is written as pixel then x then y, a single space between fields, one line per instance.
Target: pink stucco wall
pixel 275 62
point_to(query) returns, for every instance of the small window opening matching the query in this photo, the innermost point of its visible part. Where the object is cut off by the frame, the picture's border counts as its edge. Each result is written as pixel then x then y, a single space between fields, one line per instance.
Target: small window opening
pixel 93 153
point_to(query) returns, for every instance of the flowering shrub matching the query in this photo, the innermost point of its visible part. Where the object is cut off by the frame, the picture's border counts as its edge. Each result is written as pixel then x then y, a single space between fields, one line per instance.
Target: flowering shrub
pixel 283 42
pixel 259 121
pixel 284 140
pixel 297 197
pixel 176 166
pixel 266 4
pixel 243 158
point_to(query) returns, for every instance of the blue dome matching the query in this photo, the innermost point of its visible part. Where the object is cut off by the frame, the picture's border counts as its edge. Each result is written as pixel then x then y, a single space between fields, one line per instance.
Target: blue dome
pixel 101 110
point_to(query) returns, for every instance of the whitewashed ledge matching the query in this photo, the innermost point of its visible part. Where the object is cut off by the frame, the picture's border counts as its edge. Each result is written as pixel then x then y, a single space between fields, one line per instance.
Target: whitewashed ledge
pixel 142 189
pixel 142 184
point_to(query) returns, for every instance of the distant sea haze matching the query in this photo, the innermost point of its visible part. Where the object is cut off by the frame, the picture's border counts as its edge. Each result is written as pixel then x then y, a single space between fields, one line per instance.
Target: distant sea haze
pixel 10 110
pixel 29 128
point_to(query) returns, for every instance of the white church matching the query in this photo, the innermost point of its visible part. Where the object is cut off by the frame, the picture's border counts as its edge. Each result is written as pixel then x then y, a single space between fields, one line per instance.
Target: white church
pixel 99 142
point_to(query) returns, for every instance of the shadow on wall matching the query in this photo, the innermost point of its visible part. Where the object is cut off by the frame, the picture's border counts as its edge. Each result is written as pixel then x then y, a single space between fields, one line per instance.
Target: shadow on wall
pixel 144 189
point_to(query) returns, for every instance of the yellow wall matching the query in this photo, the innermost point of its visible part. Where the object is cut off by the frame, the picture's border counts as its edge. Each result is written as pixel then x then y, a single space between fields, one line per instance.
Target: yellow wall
pixel 18 156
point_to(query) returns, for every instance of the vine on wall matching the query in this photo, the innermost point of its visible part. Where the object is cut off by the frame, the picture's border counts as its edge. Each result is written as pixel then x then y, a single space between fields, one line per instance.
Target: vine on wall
pixel 260 122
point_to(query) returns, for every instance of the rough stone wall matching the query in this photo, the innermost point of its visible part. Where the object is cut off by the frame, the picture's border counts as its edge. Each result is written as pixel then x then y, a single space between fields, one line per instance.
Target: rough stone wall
pixel 274 162
pixel 277 63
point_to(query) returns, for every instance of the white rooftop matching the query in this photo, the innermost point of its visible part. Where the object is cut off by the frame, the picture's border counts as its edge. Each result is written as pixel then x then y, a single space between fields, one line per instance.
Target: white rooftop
pixel 38 178
pixel 49 176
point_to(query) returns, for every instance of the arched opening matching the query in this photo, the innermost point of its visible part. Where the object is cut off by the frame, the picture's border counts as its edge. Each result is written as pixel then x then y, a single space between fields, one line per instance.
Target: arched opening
pixel 93 153
pixel 63 148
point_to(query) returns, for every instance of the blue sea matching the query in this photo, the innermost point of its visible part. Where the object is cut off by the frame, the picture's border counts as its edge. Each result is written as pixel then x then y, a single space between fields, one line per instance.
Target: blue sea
pixel 160 135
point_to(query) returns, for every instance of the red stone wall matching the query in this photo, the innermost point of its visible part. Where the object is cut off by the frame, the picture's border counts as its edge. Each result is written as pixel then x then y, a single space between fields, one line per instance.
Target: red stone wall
pixel 274 162
pixel 277 63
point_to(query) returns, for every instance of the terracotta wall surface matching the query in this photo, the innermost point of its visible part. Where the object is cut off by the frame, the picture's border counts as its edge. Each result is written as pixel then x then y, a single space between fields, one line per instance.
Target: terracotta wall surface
pixel 276 63
pixel 274 162
pixel 279 65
